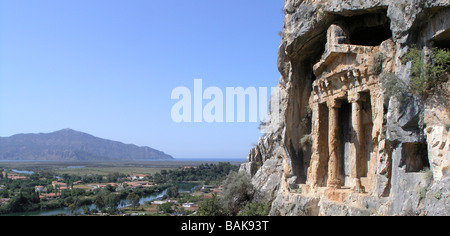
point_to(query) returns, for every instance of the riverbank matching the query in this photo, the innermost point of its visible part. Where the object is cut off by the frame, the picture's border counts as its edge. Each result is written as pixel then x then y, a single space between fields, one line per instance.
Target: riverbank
pixel 124 205
pixel 49 192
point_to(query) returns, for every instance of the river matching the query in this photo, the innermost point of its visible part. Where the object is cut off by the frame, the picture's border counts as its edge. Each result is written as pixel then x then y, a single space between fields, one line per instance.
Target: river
pixel 22 172
pixel 182 187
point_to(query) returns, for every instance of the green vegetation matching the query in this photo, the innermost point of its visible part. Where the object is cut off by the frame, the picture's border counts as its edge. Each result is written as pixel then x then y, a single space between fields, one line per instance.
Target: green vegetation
pixel 22 196
pixel 237 191
pixel 427 180
pixel 211 207
pixel 426 73
pixel 105 171
pixel 393 86
pixel 237 199
pixel 256 209
pixel 172 192
pixel 166 208
pixel 210 173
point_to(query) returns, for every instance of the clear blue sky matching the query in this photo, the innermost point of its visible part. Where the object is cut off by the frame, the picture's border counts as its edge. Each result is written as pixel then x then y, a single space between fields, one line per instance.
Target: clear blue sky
pixel 108 67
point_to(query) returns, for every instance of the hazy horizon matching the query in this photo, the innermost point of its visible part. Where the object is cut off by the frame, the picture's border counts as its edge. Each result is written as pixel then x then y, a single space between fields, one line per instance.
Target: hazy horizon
pixel 174 158
pixel 108 68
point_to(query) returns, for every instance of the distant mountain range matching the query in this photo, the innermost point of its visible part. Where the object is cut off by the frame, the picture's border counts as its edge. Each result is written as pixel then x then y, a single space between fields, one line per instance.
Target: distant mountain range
pixel 71 145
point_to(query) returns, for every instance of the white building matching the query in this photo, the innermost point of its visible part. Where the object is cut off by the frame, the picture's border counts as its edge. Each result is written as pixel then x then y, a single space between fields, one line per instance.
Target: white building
pixel 188 205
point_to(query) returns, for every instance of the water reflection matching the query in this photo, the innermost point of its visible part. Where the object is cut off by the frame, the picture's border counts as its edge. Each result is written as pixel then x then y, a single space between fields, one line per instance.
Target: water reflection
pixel 182 187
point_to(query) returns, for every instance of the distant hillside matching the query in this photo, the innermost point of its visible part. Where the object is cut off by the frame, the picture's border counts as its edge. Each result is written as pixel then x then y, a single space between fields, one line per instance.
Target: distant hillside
pixel 71 145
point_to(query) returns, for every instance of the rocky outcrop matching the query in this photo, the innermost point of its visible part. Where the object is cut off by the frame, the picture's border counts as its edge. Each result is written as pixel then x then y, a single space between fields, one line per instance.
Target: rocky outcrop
pixel 335 144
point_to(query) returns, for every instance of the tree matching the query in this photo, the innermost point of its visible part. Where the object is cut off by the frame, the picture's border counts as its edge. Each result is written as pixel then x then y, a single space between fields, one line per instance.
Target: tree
pixel 99 201
pixel 172 192
pixel 18 204
pixel 6 180
pixel 157 178
pixel 86 209
pixel 165 207
pixel 112 200
pixel 427 71
pixel 113 177
pixel 238 191
pixel 35 197
pixel 255 209
pixel 133 199
pixel 4 194
pixel 72 208
pixel 109 188
pixel 211 207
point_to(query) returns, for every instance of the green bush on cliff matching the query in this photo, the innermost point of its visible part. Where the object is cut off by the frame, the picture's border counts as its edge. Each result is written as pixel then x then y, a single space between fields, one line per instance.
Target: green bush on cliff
pixel 425 74
pixel 427 71
pixel 393 86
pixel 237 199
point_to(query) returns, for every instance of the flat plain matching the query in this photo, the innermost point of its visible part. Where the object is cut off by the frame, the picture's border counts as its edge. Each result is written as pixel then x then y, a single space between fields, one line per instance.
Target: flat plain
pixel 104 168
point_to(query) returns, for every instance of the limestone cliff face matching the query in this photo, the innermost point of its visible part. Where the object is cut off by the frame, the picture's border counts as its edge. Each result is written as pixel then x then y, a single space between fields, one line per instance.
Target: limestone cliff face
pixel 334 143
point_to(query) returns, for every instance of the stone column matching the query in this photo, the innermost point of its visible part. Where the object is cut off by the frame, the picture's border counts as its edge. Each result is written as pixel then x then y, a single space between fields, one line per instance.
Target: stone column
pixel 333 144
pixel 358 130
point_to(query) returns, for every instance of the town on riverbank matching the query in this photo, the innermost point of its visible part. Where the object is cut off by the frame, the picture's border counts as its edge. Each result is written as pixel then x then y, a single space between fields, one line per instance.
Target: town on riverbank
pixel 87 189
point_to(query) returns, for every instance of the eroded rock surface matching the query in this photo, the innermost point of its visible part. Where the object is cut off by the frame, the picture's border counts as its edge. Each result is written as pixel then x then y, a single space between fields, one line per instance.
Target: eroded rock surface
pixel 334 143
